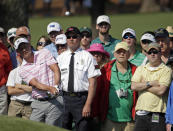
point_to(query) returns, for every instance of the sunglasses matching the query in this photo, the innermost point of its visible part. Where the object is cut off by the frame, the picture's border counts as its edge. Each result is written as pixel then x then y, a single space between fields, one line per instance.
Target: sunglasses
pixel 86 35
pixel 146 42
pixel 41 43
pixel 153 51
pixel 11 33
pixel 73 36
pixel 129 36
pixel 102 24
pixel 62 46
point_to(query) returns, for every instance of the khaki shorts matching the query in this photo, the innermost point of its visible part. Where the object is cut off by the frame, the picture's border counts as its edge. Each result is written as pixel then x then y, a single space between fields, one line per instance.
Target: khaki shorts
pixel 19 109
pixel 109 125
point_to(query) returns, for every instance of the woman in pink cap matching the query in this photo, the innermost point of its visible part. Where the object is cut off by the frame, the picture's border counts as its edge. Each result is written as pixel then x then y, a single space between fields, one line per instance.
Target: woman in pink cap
pixel 102 57
pixel 98 52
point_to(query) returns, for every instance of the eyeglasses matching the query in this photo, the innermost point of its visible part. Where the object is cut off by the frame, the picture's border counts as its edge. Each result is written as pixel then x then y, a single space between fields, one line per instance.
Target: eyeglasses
pixel 129 36
pixel 153 51
pixel 86 35
pixel 146 42
pixel 41 43
pixel 102 24
pixel 73 36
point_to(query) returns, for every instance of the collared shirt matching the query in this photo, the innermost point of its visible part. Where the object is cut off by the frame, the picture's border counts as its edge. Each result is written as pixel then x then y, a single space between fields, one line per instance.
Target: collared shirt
pixel 52 48
pixel 5 64
pixel 40 70
pixel 148 101
pixel 120 109
pixel 137 59
pixel 85 67
pixel 13 79
pixel 109 47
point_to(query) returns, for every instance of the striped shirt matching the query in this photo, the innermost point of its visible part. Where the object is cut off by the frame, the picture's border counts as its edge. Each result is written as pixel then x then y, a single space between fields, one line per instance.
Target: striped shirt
pixel 137 59
pixel 40 70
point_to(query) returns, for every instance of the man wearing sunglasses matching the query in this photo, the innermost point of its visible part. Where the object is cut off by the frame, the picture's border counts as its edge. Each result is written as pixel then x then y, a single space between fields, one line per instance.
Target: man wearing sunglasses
pixel 129 36
pixel 78 78
pixel 86 37
pixel 53 29
pixel 103 26
pixel 151 81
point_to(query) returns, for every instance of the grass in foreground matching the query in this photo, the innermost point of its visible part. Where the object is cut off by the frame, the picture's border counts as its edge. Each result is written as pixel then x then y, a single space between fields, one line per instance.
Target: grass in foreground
pixel 19 124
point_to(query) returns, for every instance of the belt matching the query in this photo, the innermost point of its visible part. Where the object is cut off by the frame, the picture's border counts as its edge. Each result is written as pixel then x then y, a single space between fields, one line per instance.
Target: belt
pixel 24 102
pixel 45 99
pixel 75 93
pixel 160 114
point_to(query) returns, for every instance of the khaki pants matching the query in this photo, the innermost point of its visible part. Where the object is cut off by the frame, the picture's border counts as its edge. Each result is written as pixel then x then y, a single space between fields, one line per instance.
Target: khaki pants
pixel 117 126
pixel 19 109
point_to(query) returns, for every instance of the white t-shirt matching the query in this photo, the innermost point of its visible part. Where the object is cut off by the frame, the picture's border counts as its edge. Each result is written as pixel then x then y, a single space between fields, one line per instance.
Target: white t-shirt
pixel 13 79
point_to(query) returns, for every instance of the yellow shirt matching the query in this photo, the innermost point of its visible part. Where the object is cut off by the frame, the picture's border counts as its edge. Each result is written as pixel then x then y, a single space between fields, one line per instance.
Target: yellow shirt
pixel 148 101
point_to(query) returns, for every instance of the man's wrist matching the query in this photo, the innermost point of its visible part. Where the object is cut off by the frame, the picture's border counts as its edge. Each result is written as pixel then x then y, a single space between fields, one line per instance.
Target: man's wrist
pixel 148 85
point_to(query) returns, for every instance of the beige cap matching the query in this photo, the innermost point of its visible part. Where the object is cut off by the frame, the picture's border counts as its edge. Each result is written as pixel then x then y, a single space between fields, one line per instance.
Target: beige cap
pixel 153 45
pixel 121 45
pixel 23 30
pixel 170 30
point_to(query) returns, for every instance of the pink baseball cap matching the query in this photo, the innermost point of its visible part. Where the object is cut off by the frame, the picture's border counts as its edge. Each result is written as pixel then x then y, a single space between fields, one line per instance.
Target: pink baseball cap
pixel 97 47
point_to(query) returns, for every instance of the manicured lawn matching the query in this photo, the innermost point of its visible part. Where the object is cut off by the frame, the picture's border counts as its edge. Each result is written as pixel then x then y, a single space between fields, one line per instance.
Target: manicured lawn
pixel 18 124
pixel 139 22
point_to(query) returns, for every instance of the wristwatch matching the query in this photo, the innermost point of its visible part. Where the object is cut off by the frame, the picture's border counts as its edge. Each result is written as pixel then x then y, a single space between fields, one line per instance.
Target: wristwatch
pixel 148 84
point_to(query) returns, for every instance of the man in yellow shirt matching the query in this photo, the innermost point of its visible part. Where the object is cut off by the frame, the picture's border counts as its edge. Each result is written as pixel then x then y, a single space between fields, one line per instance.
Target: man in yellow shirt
pixel 151 81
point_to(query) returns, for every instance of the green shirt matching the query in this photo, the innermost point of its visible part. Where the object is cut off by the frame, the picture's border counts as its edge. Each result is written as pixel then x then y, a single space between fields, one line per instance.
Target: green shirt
pixel 120 109
pixel 109 47
pixel 137 59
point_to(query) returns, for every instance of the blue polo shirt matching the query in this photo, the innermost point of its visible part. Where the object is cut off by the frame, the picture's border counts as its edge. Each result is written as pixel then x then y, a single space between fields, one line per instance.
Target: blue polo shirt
pixel 109 47
pixel 52 48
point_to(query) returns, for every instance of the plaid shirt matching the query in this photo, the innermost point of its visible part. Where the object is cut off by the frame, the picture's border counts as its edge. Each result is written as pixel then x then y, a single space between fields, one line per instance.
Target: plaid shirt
pixel 40 70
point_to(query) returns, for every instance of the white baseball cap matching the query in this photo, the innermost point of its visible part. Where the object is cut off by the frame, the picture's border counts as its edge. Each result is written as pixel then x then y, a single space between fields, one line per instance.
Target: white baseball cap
pixel 11 33
pixel 61 39
pixel 19 41
pixel 103 18
pixel 53 26
pixel 2 30
pixel 128 30
pixel 148 36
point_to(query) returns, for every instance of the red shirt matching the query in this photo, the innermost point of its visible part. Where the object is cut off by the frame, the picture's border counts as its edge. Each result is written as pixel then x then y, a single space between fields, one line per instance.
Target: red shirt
pixel 5 64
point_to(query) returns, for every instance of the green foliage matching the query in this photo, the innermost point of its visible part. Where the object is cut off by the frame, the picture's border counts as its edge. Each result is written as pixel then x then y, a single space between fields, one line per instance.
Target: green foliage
pixel 19 124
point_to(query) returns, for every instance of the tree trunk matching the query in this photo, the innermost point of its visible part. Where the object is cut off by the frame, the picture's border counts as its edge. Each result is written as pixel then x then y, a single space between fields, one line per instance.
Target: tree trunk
pixel 149 6
pixel 14 13
pixel 98 8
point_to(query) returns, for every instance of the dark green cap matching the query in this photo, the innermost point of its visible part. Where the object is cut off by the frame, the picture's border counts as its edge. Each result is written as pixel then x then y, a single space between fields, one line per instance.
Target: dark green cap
pixel 86 29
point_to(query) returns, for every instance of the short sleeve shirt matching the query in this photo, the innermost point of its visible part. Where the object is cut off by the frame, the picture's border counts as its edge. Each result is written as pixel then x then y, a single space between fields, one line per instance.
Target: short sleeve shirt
pixel 52 48
pixel 137 59
pixel 85 67
pixel 148 101
pixel 109 47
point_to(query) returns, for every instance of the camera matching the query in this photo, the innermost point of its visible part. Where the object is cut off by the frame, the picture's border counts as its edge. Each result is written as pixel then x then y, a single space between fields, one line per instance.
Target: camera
pixel 122 93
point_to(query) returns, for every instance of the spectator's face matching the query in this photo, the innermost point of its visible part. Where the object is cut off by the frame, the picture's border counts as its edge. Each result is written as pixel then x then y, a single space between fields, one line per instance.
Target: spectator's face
pixel 41 43
pixel 164 44
pixel 98 56
pixel 2 38
pixel 103 28
pixel 121 55
pixel 26 52
pixel 61 48
pixel 130 39
pixel 153 56
pixel 73 41
pixel 145 43
pixel 86 39
pixel 53 35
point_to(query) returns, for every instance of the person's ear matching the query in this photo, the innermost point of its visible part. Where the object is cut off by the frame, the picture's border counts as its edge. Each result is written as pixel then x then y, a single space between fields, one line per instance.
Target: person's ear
pixel 97 27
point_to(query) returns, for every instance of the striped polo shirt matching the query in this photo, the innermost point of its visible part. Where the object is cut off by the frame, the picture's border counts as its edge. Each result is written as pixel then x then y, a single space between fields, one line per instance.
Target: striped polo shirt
pixel 137 59
pixel 40 70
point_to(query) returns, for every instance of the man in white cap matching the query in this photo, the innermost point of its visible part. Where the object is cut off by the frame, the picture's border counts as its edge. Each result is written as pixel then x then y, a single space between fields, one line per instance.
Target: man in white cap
pixel 103 26
pixel 129 36
pixel 11 34
pixel 53 29
pixel 61 43
pixel 5 68
pixel 40 70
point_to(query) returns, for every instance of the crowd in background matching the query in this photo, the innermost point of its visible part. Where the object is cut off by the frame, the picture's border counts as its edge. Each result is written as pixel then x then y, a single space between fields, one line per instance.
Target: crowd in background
pixel 98 84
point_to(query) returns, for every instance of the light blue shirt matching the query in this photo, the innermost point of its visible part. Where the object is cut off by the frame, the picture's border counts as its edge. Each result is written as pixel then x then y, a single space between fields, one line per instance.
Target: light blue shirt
pixel 52 48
